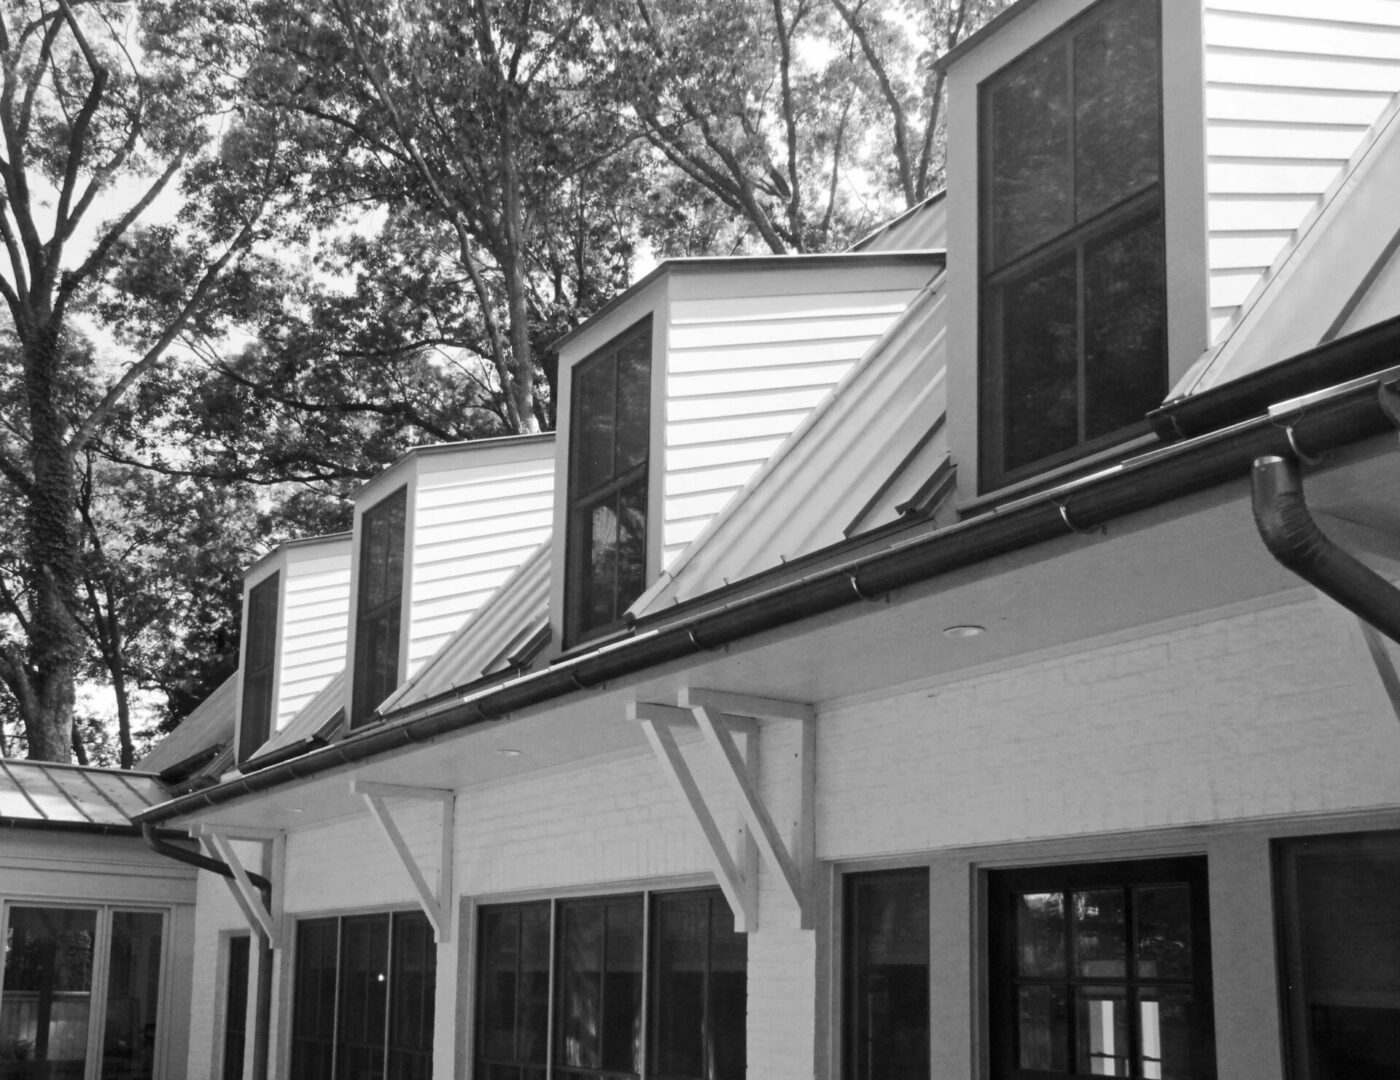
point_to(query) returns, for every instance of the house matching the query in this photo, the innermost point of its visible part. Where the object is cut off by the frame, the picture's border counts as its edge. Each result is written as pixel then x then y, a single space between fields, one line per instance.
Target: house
pixel 932 663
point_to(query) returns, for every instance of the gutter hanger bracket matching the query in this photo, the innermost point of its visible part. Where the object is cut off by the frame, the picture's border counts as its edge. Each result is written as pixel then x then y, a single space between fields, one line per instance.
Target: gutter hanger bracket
pixel 435 902
pixel 263 912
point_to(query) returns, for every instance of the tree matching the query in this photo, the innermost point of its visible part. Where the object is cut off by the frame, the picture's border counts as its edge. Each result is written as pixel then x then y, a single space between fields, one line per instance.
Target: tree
pixel 470 122
pixel 103 106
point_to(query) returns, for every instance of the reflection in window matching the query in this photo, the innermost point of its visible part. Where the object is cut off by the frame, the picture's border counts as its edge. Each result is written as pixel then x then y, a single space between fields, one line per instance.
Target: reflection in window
pixel 692 1015
pixel 259 667
pixel 1341 941
pixel 1072 261
pixel 378 604
pixel 236 1007
pixel 887 976
pixel 48 999
pixel 1101 970
pixel 610 433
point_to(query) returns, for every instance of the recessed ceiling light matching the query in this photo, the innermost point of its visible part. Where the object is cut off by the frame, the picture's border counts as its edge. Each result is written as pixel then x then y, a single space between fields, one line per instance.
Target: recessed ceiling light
pixel 510 753
pixel 966 630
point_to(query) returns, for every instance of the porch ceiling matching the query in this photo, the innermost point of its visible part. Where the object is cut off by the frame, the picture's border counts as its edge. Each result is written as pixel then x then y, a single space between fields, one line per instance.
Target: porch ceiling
pixel 1186 560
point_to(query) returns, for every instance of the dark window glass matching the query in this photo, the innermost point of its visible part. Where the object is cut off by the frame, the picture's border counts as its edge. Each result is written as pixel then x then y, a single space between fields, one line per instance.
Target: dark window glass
pixel 1101 970
pixel 699 969
pixel 133 985
pixel 695 1006
pixel 887 976
pixel 236 1007
pixel 1341 948
pixel 314 1000
pixel 260 662
pixel 378 605
pixel 1073 268
pixel 611 431
pixel 363 1000
pixel 46 998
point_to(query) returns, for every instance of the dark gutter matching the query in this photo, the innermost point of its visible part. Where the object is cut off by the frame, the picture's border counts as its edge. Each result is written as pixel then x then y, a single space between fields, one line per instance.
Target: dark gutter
pixel 1295 540
pixel 191 858
pixel 96 828
pixel 1338 361
pixel 1321 423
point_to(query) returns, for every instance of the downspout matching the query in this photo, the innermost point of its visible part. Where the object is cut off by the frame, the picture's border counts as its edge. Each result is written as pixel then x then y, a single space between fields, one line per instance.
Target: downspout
pixel 1294 539
pixel 263 1008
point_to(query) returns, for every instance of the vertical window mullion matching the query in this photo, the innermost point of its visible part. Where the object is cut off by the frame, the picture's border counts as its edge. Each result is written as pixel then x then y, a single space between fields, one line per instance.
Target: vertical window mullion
pixel 644 1064
pixel 552 990
pixel 388 992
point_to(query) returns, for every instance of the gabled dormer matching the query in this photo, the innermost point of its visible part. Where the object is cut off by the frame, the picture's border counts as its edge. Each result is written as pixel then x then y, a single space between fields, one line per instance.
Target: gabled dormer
pixel 673 396
pixel 1126 178
pixel 295 603
pixel 435 535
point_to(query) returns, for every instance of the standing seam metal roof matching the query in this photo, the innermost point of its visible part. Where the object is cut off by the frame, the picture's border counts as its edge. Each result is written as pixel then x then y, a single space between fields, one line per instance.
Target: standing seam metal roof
pixel 44 793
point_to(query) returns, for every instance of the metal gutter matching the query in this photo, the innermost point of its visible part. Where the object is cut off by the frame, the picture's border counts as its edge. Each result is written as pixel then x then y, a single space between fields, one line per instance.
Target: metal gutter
pixel 1295 540
pixel 192 858
pixel 1326 420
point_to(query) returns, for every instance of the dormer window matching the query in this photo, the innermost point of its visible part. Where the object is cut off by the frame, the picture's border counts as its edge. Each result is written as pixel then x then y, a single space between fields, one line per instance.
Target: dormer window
pixel 378 604
pixel 259 667
pixel 1073 269
pixel 610 432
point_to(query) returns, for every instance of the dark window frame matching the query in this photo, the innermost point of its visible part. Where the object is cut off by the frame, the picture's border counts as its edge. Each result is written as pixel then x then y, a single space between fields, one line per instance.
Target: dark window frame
pixel 1144 206
pixel 1003 978
pixel 259 666
pixel 554 911
pixel 372 681
pixel 620 482
pixel 309 1008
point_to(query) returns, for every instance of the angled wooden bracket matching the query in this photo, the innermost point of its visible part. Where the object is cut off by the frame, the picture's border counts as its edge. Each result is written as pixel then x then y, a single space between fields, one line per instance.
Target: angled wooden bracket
pixel 264 915
pixel 719 715
pixel 436 902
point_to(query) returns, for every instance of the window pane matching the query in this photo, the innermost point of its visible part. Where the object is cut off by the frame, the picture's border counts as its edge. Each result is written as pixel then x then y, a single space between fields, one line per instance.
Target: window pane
pixel 1042 1028
pixel 1101 1022
pixel 513 985
pixel 313 1008
pixel 1100 934
pixel 360 1020
pixel 47 992
pixel 600 580
pixel 412 980
pixel 1117 132
pixel 1041 934
pixel 682 959
pixel 633 400
pixel 1163 933
pixel 1166 1026
pixel 597 424
pixel 236 1007
pixel 1125 343
pixel 1030 156
pixel 887 988
pixel 255 719
pixel 1041 365
pixel 581 985
pixel 133 985
pixel 726 1037
pixel 1344 956
pixel 631 546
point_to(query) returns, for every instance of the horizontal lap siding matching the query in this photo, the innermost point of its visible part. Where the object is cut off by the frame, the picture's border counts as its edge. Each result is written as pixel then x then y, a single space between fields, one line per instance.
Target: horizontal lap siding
pixel 1292 87
pixel 317 599
pixel 474 526
pixel 742 373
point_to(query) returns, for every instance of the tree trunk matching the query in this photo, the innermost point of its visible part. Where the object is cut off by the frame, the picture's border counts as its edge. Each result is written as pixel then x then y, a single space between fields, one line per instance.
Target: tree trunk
pixel 55 639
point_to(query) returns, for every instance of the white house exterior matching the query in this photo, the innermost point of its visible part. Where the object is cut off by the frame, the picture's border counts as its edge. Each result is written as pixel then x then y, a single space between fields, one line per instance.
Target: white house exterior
pixel 950 715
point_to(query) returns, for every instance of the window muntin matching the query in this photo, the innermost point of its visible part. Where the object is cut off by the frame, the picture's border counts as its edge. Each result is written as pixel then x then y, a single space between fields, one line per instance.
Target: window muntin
pixel 610 424
pixel 1340 947
pixel 1073 253
pixel 378 607
pixel 363 995
pixel 594 951
pixel 259 668
pixel 48 996
pixel 1101 970
pixel 886 992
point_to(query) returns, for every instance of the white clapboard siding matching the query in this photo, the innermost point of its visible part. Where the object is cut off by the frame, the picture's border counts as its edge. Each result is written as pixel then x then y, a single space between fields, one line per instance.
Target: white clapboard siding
pixel 477 517
pixel 314 614
pixel 745 368
pixel 1292 88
